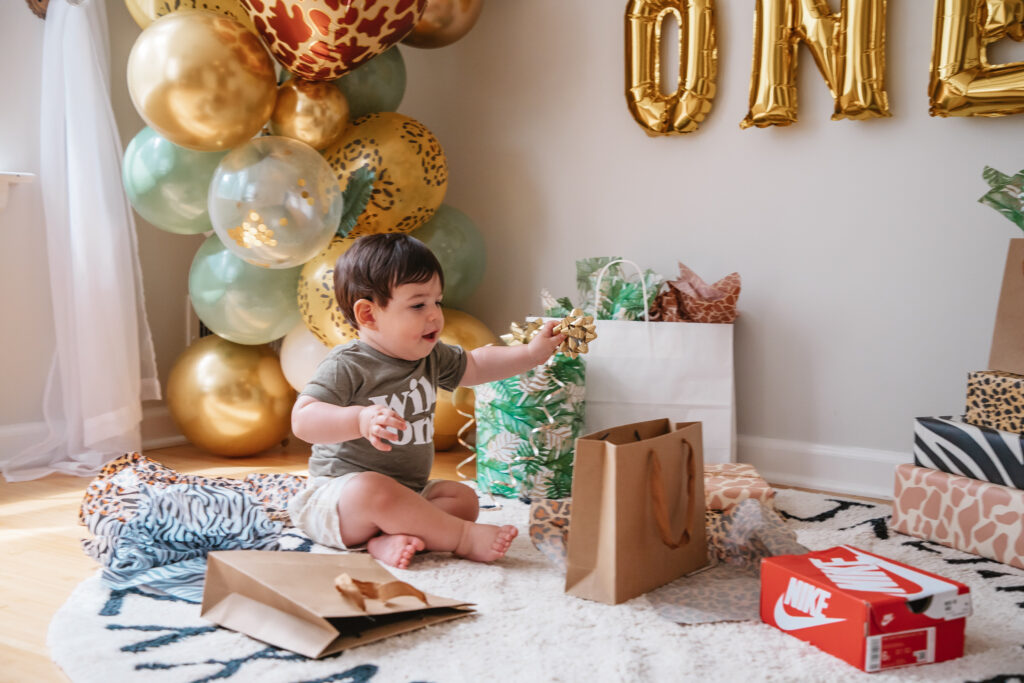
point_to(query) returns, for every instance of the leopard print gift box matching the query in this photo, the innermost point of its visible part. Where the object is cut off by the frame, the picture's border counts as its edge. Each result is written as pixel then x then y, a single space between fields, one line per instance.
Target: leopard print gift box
pixel 967 514
pixel 996 399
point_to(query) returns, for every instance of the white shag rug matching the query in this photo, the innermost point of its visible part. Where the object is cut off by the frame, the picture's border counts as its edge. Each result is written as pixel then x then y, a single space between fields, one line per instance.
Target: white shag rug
pixel 527 629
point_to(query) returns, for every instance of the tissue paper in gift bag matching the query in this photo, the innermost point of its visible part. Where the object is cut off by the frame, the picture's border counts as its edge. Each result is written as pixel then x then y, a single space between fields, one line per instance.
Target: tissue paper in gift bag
pixel 290 600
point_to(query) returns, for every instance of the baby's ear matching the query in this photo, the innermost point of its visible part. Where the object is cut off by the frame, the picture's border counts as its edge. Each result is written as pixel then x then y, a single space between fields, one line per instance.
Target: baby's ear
pixel 363 312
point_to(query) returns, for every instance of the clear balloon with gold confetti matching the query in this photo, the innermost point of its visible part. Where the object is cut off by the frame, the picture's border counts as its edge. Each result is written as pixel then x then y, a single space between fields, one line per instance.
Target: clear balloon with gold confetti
pixel 275 202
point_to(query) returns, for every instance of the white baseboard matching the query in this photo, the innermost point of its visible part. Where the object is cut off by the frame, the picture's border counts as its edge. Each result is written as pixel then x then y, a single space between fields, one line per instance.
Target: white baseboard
pixel 15 438
pixel 158 431
pixel 158 428
pixel 837 469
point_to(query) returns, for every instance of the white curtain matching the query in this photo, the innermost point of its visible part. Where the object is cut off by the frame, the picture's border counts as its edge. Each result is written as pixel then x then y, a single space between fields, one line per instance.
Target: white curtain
pixel 103 365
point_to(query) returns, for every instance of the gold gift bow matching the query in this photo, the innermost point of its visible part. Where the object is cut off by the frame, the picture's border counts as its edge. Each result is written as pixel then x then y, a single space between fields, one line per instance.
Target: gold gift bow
pixel 356 591
pixel 578 329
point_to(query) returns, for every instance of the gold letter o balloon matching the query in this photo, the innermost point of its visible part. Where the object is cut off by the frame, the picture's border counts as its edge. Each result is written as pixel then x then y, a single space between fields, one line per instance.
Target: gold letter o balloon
pixel 201 80
pixel 230 399
pixel 463 330
pixel 317 303
pixel 409 166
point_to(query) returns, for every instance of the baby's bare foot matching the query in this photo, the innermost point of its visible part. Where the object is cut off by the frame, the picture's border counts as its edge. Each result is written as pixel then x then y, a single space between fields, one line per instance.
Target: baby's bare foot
pixel 485 542
pixel 395 549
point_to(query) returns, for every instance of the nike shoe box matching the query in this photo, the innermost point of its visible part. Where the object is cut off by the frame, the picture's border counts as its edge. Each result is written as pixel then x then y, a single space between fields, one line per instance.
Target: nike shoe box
pixel 870 611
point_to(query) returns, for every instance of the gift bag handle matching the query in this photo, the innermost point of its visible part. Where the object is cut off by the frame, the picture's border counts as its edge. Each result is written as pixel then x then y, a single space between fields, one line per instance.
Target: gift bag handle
pixel 600 276
pixel 658 498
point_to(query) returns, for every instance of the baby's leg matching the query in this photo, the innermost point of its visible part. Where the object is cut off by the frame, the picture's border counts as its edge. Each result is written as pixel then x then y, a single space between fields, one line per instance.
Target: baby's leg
pixel 455 498
pixel 372 503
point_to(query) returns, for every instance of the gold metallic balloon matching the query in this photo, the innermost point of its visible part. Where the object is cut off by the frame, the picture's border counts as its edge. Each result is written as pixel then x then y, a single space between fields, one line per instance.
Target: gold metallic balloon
pixel 321 40
pixel 460 329
pixel 683 110
pixel 963 83
pixel 228 398
pixel 145 12
pixel 444 22
pixel 314 112
pixel 201 80
pixel 317 303
pixel 848 47
pixel 410 168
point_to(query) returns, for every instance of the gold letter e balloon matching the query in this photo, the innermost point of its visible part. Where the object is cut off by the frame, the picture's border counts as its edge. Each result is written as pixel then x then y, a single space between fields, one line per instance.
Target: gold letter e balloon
pixel 963 83
pixel 683 110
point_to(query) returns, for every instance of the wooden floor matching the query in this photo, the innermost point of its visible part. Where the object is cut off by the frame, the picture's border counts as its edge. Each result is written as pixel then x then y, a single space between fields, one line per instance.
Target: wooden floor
pixel 43 561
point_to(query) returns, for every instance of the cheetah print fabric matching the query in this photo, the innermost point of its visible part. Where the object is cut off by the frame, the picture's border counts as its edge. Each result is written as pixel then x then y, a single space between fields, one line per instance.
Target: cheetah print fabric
pixel 967 514
pixel 112 498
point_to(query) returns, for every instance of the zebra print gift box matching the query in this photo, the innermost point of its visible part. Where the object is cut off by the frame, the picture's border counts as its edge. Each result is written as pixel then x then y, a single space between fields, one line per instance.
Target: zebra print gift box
pixel 950 444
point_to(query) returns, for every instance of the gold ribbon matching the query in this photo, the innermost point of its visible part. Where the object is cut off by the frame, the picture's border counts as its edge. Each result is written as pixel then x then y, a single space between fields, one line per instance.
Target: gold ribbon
pixel 356 591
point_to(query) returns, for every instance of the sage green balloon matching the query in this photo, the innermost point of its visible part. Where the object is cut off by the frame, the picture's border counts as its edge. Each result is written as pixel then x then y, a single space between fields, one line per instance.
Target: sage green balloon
pixel 459 247
pixel 168 184
pixel 241 302
pixel 377 85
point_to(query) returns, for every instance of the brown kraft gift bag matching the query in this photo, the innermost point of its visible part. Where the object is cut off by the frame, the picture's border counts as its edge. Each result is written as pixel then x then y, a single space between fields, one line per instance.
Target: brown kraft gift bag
pixel 637 510
pixel 1008 338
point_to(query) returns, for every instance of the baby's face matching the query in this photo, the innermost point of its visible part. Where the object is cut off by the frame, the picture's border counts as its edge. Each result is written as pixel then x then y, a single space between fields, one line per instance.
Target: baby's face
pixel 411 323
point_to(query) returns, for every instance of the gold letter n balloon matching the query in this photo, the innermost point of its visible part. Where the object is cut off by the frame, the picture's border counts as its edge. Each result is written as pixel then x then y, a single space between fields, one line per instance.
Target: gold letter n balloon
pixel 963 83
pixel 849 49
pixel 683 110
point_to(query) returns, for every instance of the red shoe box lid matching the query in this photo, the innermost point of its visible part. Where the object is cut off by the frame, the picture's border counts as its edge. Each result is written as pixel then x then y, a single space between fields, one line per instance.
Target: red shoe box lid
pixel 872 612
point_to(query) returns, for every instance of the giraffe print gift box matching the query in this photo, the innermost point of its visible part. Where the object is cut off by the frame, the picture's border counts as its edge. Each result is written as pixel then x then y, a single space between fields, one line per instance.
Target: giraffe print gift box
pixel 969 515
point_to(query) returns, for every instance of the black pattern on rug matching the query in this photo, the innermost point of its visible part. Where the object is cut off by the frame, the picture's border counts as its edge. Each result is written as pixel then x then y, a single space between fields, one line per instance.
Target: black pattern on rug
pixel 154 645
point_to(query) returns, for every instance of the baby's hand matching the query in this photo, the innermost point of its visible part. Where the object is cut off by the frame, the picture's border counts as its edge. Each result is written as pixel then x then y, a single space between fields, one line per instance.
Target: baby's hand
pixel 545 342
pixel 377 423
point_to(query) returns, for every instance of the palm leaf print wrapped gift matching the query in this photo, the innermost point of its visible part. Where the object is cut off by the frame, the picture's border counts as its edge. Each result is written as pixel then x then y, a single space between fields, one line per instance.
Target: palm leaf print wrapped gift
pixel 527 426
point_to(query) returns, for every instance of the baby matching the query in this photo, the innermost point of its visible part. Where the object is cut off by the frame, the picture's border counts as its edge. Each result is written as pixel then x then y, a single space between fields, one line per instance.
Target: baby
pixel 369 411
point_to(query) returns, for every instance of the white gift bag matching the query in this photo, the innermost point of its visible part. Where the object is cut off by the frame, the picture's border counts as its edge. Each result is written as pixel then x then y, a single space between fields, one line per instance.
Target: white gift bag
pixel 642 370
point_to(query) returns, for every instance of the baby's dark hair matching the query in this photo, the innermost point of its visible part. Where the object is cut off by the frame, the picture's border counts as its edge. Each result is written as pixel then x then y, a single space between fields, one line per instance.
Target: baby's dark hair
pixel 375 264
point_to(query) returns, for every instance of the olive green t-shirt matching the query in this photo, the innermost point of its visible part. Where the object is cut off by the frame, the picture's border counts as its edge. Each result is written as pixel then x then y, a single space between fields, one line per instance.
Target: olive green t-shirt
pixel 358 374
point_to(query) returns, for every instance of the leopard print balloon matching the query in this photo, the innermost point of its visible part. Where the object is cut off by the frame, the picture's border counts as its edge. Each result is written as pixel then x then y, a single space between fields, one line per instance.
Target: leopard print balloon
pixel 321 40
pixel 409 166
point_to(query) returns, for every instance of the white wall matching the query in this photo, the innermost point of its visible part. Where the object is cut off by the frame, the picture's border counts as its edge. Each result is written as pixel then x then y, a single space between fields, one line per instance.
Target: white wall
pixel 870 272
